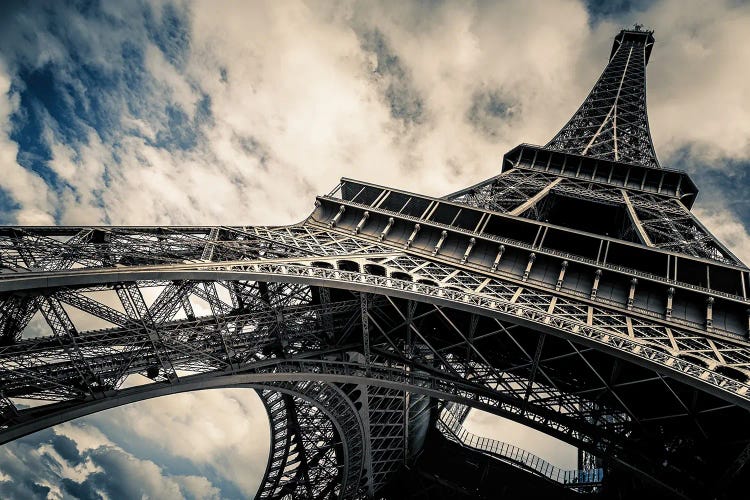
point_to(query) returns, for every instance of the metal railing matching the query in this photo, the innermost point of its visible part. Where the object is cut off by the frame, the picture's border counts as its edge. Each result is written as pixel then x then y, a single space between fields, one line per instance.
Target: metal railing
pixel 452 427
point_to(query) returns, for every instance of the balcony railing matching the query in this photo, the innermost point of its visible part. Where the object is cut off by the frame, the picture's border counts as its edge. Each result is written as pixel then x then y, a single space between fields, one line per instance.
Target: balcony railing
pixel 452 427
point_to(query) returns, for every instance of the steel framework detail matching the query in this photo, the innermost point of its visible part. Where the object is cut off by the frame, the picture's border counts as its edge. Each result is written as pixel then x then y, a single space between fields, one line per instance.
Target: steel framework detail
pixel 574 293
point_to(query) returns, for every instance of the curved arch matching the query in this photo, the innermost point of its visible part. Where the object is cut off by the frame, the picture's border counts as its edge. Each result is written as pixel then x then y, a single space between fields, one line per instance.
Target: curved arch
pixel 326 397
pixel 432 384
pixel 585 435
pixel 375 269
pixel 58 413
pixel 621 346
pixel 696 360
pixel 281 381
pixel 399 275
pixel 347 265
pixel 340 411
pixel 734 373
pixel 279 442
pixel 440 386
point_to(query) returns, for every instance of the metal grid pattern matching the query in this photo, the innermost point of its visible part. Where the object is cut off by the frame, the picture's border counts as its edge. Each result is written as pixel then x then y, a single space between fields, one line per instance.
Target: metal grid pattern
pixel 612 122
pixel 657 221
pixel 353 339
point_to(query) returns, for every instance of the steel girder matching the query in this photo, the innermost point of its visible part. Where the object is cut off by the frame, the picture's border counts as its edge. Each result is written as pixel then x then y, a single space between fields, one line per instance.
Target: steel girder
pixel 660 341
pixel 279 316
pixel 656 221
pixel 505 193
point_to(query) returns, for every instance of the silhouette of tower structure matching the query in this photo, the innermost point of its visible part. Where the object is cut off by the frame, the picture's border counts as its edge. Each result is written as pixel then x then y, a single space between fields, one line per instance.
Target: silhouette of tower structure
pixel 574 293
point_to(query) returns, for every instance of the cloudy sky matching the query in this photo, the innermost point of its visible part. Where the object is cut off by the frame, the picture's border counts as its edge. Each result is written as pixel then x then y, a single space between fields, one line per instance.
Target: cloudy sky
pixel 239 113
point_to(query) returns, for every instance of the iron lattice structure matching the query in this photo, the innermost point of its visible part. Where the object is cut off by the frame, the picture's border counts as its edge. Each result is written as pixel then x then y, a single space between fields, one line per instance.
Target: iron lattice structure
pixel 612 123
pixel 574 293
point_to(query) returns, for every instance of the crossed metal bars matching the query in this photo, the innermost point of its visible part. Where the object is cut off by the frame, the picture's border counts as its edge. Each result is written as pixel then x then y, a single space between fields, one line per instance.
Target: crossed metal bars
pixel 612 122
pixel 359 324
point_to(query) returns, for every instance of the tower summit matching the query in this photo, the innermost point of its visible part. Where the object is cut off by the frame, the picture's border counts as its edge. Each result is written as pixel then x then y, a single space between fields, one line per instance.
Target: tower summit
pixel 612 122
pixel 574 293
pixel 600 172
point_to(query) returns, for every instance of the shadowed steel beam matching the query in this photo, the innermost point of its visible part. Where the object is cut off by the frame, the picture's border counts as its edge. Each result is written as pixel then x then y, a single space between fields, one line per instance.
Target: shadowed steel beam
pixel 642 234
pixel 534 366
pixel 534 199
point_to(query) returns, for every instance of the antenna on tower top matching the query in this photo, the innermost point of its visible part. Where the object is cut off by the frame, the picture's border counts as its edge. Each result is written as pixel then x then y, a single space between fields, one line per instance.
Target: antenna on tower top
pixel 640 28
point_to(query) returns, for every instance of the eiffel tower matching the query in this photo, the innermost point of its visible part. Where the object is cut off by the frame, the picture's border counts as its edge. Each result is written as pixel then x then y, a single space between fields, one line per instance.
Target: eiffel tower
pixel 574 293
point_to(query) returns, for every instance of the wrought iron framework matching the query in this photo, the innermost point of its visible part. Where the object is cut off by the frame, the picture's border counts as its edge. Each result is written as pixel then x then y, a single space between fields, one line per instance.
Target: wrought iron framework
pixel 574 293
pixel 612 122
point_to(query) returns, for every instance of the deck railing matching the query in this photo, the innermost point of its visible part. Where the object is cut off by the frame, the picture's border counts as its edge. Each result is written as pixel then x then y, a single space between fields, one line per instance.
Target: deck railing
pixel 452 427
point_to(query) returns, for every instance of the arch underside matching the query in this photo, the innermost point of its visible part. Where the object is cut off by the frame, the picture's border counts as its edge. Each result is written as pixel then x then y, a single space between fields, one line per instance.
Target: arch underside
pixel 317 320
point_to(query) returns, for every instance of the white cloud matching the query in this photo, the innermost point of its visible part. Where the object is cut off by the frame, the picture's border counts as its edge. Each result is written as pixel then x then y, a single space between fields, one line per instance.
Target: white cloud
pixel 125 476
pixel 226 430
pixel 68 463
pixel 25 187
pixel 197 487
pixel 698 87
pixel 725 226
pixel 300 106
pixel 86 437
pixel 298 98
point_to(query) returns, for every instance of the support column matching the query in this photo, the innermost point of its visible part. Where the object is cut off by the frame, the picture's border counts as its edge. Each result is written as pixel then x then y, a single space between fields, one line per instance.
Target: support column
pixel 670 297
pixel 635 220
pixel 443 235
pixel 500 251
pixel 387 229
pixel 532 258
pixel 595 288
pixel 631 294
pixel 362 221
pixel 561 277
pixel 710 313
pixel 337 217
pixel 365 330
pixel 417 227
pixel 472 242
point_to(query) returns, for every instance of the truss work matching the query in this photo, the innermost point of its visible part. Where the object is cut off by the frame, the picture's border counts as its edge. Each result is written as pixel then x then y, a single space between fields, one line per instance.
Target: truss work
pixel 574 293
pixel 612 122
